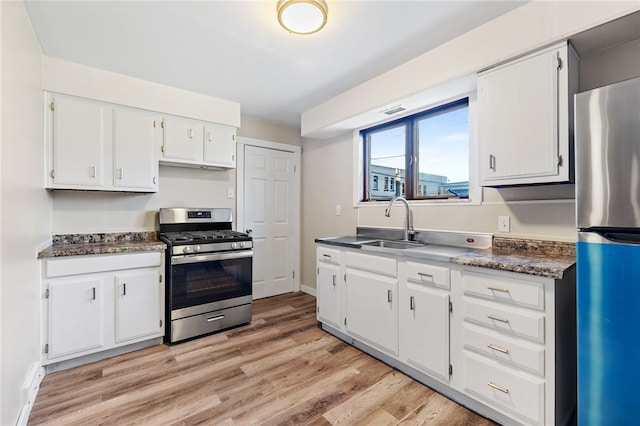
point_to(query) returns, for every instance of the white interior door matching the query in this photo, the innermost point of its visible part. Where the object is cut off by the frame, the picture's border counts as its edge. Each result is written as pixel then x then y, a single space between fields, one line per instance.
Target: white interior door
pixel 270 212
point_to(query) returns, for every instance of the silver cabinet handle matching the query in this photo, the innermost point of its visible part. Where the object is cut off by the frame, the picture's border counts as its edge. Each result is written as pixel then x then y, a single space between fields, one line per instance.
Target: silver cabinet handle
pixel 218 318
pixel 499 388
pixel 94 171
pixel 492 162
pixel 501 290
pixel 121 174
pixel 412 303
pixel 389 296
pixel 495 318
pixel 328 256
pixel 210 137
pixel 124 289
pixel 155 180
pixel 497 348
pixel 334 280
pixel 93 293
pixel 190 133
pixel 425 275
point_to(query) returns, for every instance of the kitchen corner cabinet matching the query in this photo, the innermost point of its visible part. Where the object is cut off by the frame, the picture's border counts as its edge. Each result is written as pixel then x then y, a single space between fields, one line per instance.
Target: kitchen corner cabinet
pixel 96 303
pixel 525 119
pixel 94 145
pixel 425 318
pixel 191 143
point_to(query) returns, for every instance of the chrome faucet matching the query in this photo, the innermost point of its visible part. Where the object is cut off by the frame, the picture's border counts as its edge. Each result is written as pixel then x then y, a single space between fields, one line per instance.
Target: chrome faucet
pixel 408 225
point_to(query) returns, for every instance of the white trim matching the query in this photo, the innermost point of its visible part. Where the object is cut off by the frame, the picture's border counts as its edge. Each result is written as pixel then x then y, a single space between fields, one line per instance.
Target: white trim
pixel 242 142
pixel 34 378
pixel 525 202
pixel 268 144
pixel 308 290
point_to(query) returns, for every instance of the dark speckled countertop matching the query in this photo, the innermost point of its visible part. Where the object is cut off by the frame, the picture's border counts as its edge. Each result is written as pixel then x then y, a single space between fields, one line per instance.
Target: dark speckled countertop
pixel 102 243
pixel 550 259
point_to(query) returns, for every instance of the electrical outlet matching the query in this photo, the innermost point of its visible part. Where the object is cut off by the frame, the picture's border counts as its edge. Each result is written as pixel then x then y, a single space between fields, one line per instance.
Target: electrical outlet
pixel 504 224
pixel 229 192
pixel 338 209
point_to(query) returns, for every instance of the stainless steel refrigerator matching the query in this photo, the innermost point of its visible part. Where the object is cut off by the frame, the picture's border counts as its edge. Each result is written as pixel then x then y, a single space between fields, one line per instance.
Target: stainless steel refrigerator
pixel 607 135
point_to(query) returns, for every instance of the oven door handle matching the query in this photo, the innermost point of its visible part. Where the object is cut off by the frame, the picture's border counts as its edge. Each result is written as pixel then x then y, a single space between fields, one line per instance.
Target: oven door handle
pixel 199 258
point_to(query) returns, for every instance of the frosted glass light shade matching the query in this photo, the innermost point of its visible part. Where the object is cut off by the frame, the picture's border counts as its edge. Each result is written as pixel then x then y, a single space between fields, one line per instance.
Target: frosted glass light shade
pixel 302 16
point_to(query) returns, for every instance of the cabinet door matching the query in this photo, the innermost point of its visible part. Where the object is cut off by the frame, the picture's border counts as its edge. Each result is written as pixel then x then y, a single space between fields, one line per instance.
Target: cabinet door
pixel 518 120
pixel 371 309
pixel 78 131
pixel 76 315
pixel 424 329
pixel 220 145
pixel 135 162
pixel 137 304
pixel 182 139
pixel 329 289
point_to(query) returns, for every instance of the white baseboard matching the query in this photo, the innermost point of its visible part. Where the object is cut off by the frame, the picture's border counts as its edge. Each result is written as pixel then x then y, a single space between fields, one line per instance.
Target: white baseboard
pixel 308 290
pixel 32 386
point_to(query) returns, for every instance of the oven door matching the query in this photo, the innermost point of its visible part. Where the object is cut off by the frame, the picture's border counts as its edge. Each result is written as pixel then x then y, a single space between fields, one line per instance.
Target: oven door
pixel 209 282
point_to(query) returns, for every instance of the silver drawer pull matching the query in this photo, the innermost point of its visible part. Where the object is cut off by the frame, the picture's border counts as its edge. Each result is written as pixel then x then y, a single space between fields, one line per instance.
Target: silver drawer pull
pixel 412 303
pixel 334 280
pixel 424 274
pixel 389 296
pixel 498 388
pixel 495 318
pixel 327 256
pixel 497 348
pixel 218 318
pixel 501 290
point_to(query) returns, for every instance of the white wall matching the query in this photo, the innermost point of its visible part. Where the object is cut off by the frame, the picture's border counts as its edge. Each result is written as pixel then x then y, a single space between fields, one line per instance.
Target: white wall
pixel 610 66
pixel 26 208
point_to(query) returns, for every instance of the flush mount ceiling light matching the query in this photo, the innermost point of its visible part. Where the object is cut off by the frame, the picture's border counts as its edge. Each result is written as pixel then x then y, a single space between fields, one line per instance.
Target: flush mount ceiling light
pixel 302 16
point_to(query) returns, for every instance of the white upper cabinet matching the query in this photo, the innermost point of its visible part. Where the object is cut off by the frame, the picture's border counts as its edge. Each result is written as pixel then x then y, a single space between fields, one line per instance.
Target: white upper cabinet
pixel 182 139
pixel 525 110
pixel 78 131
pixel 220 145
pixel 93 145
pixel 191 143
pixel 135 144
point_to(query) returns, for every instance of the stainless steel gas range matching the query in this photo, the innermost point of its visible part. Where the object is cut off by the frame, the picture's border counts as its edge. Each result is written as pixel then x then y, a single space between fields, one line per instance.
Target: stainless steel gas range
pixel 208 272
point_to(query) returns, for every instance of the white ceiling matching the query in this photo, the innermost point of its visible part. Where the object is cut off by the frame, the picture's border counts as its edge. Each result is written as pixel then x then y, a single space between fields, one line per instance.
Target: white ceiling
pixel 236 50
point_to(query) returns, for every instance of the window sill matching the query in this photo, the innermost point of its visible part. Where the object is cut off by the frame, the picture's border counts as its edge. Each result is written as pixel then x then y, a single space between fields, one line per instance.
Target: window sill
pixel 423 203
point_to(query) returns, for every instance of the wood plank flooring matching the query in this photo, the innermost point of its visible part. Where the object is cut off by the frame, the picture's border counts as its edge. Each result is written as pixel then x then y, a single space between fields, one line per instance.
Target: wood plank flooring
pixel 279 370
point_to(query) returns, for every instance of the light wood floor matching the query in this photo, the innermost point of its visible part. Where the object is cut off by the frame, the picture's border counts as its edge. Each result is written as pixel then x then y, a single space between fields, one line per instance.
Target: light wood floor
pixel 279 370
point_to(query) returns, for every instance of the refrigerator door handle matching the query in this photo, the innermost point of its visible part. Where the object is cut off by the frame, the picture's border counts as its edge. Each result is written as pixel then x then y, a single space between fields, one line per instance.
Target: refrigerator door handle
pixel 609 237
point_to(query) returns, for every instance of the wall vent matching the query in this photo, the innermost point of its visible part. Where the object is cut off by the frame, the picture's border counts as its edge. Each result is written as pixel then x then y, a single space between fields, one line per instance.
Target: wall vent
pixel 394 110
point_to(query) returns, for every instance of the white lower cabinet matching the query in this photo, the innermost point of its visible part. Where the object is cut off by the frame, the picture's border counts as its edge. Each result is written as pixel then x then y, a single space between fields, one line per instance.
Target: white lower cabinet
pixel 424 318
pixel 329 286
pixel 501 343
pixel 96 303
pixel 76 315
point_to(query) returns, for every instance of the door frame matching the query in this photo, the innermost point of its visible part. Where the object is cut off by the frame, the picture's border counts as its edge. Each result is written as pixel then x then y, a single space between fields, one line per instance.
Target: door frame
pixel 240 205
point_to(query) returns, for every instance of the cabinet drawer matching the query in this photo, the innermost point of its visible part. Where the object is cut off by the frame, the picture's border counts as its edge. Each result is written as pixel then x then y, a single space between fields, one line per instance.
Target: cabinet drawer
pixel 529 294
pixel 513 392
pixel 505 350
pixel 74 265
pixel 377 264
pixel 520 323
pixel 420 273
pixel 328 255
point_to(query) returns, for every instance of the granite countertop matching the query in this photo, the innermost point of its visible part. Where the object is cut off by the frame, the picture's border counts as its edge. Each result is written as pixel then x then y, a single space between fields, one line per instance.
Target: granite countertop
pixel 103 243
pixel 550 259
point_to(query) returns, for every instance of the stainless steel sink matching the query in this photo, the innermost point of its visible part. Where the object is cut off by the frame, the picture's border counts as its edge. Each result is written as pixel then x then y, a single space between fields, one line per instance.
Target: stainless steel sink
pixel 402 245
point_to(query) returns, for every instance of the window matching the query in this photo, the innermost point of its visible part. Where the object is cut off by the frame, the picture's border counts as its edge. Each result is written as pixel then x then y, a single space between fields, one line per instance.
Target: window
pixel 425 154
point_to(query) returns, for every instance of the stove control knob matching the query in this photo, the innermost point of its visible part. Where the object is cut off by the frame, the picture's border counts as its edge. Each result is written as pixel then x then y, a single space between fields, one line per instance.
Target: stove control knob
pixel 234 245
pixel 196 249
pixel 241 244
pixel 186 250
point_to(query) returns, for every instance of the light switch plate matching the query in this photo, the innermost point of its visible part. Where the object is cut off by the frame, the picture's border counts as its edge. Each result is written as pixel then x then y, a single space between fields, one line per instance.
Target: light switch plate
pixel 504 223
pixel 229 192
pixel 338 209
